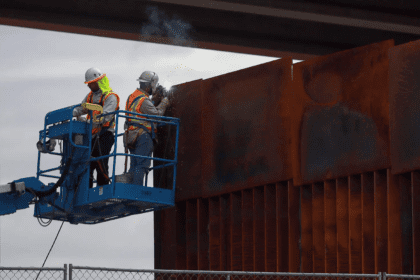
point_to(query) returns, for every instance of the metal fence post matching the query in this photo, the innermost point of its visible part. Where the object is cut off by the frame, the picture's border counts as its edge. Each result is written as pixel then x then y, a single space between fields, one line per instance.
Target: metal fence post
pixel 70 272
pixel 65 271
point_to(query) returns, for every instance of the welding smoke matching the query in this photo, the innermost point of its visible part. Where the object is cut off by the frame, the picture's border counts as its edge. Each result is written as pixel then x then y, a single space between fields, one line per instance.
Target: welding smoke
pixel 161 25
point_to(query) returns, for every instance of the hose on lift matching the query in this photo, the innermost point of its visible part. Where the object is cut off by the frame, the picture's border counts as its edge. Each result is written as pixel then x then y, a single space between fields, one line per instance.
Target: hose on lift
pixel 60 181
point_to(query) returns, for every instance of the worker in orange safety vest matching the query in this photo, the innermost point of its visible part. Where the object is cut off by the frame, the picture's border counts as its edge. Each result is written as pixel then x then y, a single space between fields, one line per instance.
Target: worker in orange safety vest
pixel 139 133
pixel 102 132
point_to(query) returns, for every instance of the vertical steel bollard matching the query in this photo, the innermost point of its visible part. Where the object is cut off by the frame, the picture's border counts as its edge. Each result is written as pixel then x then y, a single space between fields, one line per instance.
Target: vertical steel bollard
pixel 65 271
pixel 70 272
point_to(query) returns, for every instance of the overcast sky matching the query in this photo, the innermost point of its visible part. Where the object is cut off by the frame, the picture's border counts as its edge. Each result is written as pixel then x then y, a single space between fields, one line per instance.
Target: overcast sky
pixel 43 71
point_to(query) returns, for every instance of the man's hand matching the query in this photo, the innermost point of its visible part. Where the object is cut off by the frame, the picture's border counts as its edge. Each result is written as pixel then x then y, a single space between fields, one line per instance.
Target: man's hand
pixel 158 95
pixel 156 99
pixel 166 102
pixel 161 94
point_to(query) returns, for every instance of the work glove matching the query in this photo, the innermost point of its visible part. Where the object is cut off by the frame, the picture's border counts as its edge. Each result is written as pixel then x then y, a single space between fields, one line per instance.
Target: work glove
pixel 166 101
pixel 156 99
pixel 81 119
pixel 158 95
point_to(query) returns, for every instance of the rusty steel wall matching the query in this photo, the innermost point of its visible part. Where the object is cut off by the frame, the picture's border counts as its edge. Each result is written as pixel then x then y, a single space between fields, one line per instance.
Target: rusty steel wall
pixel 342 189
pixel 405 107
pixel 363 223
pixel 246 128
pixel 341 114
pixel 188 107
pixel 235 131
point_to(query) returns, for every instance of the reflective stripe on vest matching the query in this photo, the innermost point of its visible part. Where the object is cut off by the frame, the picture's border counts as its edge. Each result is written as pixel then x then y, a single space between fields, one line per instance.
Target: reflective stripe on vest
pixel 133 104
pixel 102 100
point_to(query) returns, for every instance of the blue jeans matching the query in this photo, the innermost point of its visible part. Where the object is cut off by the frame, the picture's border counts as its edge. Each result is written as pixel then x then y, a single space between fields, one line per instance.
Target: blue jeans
pixel 140 166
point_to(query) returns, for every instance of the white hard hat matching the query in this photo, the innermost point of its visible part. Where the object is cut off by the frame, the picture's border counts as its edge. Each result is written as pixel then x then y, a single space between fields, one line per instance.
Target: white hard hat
pixel 93 74
pixel 148 77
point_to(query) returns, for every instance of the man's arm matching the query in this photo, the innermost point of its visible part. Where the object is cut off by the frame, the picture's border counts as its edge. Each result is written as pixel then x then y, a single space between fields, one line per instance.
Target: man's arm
pixel 109 106
pixel 78 111
pixel 149 109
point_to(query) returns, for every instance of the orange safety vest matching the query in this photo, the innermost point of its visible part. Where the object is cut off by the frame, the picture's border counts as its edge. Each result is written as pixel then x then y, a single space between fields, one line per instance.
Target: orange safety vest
pixel 110 123
pixel 134 102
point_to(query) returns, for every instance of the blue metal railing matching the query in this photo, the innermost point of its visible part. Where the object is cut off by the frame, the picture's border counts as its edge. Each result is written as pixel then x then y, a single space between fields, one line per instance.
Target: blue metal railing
pixel 54 117
pixel 66 115
pixel 154 119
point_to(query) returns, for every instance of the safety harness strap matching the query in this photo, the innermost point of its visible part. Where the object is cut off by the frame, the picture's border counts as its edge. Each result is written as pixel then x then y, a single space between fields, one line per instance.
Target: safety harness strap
pixel 143 127
pixel 134 101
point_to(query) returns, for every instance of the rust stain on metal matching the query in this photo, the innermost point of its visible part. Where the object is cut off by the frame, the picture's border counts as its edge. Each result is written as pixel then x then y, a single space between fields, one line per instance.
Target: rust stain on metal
pixel 381 221
pixel 343 226
pixel 394 225
pixel 330 215
pixel 191 230
pixel 165 238
pixel 235 131
pixel 203 236
pixel 187 107
pixel 270 231
pixel 404 101
pixel 415 194
pixel 282 226
pixel 214 233
pixel 365 220
pixel 355 227
pixel 247 231
pixel 406 222
pixel 181 241
pixel 259 228
pixel 307 230
pixel 354 224
pixel 318 227
pixel 294 227
pixel 368 223
pixel 228 236
pixel 224 233
pixel 340 114
pixel 236 231
pixel 246 128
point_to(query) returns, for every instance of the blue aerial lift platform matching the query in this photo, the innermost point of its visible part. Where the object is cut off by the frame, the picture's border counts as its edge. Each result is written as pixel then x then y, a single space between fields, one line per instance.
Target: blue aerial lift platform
pixel 70 198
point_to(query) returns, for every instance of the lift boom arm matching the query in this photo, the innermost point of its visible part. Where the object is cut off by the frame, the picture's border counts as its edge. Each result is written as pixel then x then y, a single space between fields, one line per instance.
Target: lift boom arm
pixel 19 194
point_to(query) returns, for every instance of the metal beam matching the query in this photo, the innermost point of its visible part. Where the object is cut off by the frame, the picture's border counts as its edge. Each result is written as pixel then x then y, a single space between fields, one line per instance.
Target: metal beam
pixel 301 29
pixel 319 13
pixel 33 20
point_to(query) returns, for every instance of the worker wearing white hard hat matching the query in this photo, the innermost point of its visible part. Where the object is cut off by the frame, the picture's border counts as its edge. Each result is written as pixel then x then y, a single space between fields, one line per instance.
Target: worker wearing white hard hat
pixel 103 132
pixel 139 134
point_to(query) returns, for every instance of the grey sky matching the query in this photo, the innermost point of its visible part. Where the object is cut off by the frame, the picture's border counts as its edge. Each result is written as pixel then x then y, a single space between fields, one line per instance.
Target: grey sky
pixel 43 71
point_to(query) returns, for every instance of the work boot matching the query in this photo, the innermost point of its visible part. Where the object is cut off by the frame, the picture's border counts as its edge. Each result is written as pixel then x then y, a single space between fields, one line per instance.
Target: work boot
pixel 126 178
